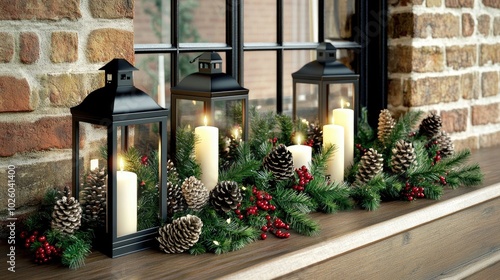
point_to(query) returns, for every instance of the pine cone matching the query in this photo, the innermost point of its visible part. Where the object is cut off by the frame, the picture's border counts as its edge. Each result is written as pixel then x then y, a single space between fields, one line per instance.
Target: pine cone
pixel 67 213
pixel 443 140
pixel 431 125
pixel 403 155
pixel 385 125
pixel 280 162
pixel 195 193
pixel 180 235
pixel 315 133
pixel 226 196
pixel 370 165
pixel 175 199
pixel 94 197
pixel 172 174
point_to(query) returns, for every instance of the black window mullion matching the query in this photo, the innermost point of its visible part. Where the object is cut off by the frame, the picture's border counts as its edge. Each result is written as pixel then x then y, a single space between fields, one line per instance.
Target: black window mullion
pixel 279 57
pixel 321 21
pixel 231 37
pixel 174 40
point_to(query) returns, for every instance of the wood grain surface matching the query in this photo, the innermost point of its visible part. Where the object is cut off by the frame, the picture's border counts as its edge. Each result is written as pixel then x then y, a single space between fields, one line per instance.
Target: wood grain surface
pixel 401 247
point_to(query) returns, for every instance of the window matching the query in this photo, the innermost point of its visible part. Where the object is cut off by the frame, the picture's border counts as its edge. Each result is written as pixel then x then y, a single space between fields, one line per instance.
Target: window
pixel 261 43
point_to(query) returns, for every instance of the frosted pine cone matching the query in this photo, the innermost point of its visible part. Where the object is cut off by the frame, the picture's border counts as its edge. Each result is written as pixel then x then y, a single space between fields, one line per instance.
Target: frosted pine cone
pixel 385 125
pixel 94 197
pixel 445 144
pixel 226 196
pixel 403 155
pixel 175 199
pixel 172 174
pixel 180 235
pixel 315 133
pixel 67 213
pixel 280 162
pixel 195 193
pixel 370 165
pixel 431 125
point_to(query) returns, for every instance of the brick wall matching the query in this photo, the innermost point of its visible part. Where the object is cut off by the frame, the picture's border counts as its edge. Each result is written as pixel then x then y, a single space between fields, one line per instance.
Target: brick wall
pixel 50 53
pixel 444 56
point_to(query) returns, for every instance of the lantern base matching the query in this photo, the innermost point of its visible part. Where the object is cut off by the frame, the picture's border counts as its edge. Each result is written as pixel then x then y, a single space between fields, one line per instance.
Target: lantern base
pixel 128 244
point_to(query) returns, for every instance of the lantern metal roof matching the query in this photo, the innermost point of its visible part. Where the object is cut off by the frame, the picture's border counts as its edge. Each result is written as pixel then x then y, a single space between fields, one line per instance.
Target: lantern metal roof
pixel 325 67
pixel 119 99
pixel 209 81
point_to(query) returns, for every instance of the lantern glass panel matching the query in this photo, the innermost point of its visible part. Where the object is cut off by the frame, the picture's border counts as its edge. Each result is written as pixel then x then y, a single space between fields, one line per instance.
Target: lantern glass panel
pixel 228 116
pixel 93 172
pixel 340 95
pixel 190 113
pixel 307 102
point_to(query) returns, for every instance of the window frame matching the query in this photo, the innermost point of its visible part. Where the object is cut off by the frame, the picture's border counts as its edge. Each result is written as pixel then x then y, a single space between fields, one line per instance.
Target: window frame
pixel 369 41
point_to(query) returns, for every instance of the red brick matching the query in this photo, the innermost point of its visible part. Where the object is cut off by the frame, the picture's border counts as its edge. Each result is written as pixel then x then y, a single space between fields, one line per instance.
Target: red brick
pixel 433 90
pixel 29 47
pixel 6 47
pixel 471 143
pixel 454 120
pixel 469 83
pixel 112 9
pixel 489 53
pixel 492 3
pixel 39 10
pixel 14 94
pixel 496 26
pixel 437 25
pixel 401 25
pixel 461 56
pixel 395 93
pixel 489 83
pixel 105 44
pixel 489 140
pixel 483 24
pixel 486 114
pixel 467 25
pixel 44 134
pixel 459 3
pixel 64 47
pixel 433 3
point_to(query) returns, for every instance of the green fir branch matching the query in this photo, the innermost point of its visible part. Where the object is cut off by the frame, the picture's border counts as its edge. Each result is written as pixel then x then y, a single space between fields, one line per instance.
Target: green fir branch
pixel 285 124
pixel 185 162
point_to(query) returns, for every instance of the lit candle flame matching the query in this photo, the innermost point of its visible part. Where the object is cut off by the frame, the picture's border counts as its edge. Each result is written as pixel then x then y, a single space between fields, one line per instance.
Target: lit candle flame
pixel 122 165
pixel 205 121
pixel 298 139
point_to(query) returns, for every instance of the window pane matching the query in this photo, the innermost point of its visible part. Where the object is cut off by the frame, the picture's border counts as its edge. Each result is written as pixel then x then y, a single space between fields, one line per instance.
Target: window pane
pixel 152 22
pixel 150 79
pixel 338 18
pixel 260 21
pixel 202 21
pixel 260 79
pixel 300 21
pixel 292 62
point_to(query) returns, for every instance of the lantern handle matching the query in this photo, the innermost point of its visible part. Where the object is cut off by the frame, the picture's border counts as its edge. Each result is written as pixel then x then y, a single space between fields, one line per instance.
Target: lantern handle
pixel 194 59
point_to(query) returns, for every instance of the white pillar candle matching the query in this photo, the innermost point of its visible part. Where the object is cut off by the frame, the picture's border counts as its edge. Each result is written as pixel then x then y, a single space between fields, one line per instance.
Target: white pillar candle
pixel 301 155
pixel 334 135
pixel 94 164
pixel 345 118
pixel 126 200
pixel 161 81
pixel 207 154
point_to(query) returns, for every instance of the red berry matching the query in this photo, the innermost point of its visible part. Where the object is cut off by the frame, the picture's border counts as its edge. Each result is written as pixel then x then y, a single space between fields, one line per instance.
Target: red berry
pixel 42 238
pixel 268 217
pixel 263 236
pixel 23 234
pixel 264 228
pixel 35 233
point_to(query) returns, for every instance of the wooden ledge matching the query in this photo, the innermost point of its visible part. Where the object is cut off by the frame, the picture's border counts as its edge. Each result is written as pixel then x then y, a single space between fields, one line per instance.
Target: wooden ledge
pixel 341 234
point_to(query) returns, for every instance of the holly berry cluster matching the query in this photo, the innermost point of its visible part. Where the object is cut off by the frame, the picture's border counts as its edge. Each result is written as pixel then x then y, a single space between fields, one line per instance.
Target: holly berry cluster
pixel 303 178
pixel 442 180
pixel 275 228
pixel 144 160
pixel 44 251
pixel 273 140
pixel 309 142
pixel 411 193
pixel 360 148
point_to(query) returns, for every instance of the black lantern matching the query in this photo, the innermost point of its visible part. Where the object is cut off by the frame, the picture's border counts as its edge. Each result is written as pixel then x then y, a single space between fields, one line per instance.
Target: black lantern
pixel 106 125
pixel 323 85
pixel 213 95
